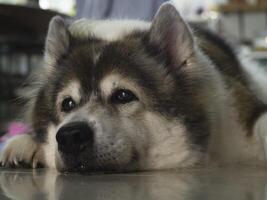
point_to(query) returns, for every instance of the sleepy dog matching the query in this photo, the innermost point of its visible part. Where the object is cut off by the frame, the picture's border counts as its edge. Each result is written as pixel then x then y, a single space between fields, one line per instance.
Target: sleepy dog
pixel 122 95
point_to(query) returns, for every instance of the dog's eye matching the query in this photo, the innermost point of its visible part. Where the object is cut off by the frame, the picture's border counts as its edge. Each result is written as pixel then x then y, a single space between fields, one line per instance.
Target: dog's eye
pixel 68 104
pixel 123 96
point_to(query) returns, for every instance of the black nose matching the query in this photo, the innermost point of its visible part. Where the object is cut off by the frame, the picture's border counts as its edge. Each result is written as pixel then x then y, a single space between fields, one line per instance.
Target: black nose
pixel 74 137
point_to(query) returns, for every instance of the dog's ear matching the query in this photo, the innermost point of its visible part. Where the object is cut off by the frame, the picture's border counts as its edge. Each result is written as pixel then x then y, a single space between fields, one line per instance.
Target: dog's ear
pixel 57 40
pixel 170 33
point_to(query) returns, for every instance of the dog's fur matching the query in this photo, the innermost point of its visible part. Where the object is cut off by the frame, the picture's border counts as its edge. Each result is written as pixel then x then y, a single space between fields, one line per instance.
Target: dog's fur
pixel 195 103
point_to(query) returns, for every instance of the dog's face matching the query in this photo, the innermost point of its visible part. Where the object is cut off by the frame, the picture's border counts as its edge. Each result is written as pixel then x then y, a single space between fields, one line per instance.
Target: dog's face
pixel 116 97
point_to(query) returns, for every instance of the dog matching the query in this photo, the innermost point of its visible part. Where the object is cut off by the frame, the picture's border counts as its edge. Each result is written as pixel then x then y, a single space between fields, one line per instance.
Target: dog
pixel 123 96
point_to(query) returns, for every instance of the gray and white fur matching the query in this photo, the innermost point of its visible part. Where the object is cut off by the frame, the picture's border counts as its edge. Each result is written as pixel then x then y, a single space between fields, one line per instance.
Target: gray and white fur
pixel 120 95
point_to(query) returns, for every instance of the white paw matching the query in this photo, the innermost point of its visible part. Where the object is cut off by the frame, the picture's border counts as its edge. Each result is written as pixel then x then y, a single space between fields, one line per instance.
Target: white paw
pixel 19 150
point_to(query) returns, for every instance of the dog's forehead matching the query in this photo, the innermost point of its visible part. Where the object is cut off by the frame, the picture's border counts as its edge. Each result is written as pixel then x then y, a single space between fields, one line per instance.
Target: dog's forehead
pixel 109 30
pixel 94 55
pixel 92 61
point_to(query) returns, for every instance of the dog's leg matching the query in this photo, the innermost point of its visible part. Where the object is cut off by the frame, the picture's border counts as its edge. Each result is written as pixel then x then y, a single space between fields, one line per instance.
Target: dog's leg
pixel 21 150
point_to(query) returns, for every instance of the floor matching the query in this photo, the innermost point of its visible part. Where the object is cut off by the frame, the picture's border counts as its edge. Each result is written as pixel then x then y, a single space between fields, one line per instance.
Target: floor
pixel 197 184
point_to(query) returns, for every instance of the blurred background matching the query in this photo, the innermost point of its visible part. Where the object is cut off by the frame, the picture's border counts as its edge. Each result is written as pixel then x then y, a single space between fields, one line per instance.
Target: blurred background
pixel 243 23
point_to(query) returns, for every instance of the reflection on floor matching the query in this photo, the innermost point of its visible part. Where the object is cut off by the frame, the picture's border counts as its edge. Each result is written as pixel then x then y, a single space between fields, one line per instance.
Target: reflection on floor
pixel 204 184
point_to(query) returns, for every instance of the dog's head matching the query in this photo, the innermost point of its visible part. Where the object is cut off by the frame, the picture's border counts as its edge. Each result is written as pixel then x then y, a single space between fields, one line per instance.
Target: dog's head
pixel 120 95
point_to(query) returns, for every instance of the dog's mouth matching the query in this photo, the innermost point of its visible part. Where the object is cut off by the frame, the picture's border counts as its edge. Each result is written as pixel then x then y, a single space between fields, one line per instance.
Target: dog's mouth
pixel 95 169
pixel 95 162
pixel 82 167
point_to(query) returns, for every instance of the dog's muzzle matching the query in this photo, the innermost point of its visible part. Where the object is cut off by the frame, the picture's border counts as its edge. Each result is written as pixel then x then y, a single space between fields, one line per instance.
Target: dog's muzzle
pixel 74 137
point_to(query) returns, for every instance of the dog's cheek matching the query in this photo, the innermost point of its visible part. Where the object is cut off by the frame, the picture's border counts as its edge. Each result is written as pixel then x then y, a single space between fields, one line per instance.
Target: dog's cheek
pixel 138 136
pixel 130 110
pixel 169 145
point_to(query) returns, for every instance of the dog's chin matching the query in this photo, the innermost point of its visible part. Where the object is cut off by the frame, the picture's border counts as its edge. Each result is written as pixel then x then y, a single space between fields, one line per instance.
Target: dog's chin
pixel 70 163
pixel 108 169
pixel 94 169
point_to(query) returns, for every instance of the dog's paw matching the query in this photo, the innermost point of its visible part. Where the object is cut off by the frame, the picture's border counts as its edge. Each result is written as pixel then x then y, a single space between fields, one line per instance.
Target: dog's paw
pixel 20 151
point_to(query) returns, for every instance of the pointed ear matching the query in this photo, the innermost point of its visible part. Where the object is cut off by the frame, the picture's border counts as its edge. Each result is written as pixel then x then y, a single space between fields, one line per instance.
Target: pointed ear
pixel 171 34
pixel 57 40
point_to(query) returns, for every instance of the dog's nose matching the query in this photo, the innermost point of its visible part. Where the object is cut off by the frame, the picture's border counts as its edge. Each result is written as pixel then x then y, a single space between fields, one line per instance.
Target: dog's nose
pixel 74 137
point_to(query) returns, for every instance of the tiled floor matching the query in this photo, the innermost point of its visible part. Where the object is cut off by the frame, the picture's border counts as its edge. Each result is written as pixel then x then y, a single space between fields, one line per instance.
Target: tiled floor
pixel 205 184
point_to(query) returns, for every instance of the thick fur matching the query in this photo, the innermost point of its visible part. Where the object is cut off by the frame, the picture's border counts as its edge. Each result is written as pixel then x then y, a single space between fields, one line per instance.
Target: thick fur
pixel 196 104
